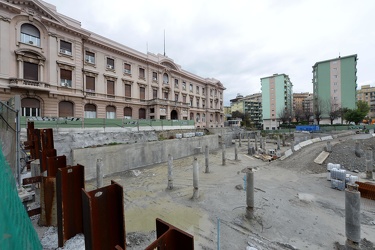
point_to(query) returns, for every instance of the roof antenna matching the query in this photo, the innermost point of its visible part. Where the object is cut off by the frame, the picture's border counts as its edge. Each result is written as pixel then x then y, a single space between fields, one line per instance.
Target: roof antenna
pixel 164 42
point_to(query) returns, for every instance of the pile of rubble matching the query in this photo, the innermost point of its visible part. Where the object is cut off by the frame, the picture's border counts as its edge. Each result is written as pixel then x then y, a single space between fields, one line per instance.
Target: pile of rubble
pixel 344 154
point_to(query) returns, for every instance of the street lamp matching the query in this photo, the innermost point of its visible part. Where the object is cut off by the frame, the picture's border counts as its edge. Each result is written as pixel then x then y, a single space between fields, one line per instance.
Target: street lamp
pixel 290 119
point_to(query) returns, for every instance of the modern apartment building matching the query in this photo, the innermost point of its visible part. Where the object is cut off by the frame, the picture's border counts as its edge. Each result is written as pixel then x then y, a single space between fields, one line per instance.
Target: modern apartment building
pixel 251 105
pixel 277 99
pixel 367 94
pixel 334 85
pixel 62 70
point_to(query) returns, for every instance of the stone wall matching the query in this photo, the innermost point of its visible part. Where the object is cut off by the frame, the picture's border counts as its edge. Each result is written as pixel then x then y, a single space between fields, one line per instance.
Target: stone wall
pixel 119 158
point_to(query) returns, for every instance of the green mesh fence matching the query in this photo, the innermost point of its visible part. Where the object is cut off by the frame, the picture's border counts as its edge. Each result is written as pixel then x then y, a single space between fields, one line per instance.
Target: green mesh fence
pixel 16 230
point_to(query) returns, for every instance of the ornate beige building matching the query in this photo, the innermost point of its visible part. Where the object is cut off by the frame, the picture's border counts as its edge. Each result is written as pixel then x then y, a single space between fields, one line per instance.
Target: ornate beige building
pixel 62 70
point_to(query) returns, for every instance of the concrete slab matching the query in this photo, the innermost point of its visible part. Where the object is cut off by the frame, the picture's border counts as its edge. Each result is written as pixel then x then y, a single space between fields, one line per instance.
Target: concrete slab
pixel 305 143
pixel 325 138
pixel 297 147
pixel 316 139
pixel 321 157
pixel 287 153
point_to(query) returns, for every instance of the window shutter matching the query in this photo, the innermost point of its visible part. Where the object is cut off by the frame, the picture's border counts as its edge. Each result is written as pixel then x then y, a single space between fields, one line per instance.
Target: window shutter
pixel 90 107
pixel 90 82
pixel 65 74
pixel 128 111
pixel 30 103
pixel 128 90
pixel 30 71
pixel 65 45
pixel 110 87
pixel 142 93
pixel 65 109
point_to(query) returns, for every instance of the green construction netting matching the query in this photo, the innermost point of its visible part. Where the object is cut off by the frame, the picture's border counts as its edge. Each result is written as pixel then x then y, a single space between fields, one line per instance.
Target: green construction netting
pixel 16 230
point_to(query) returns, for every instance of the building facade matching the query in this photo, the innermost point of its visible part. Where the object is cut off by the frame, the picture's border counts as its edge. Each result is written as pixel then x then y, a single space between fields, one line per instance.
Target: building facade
pixel 334 85
pixel 277 99
pixel 62 70
pixel 300 102
pixel 367 94
pixel 250 105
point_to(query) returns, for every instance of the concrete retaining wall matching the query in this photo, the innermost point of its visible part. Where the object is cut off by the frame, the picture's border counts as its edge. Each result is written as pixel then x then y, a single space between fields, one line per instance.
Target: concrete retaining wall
pixel 119 158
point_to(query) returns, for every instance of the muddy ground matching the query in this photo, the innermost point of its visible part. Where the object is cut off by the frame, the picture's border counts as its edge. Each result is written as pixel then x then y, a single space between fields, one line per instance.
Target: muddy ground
pixel 295 207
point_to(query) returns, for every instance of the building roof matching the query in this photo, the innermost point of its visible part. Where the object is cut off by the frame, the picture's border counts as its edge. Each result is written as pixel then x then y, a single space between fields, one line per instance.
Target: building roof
pixel 334 59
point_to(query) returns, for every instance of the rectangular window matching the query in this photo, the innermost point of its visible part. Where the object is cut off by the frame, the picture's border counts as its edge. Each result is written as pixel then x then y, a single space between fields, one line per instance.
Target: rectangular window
pixel 155 93
pixel 127 68
pixel 165 95
pixel 90 84
pixel 110 63
pixel 184 85
pixel 184 99
pixel 202 91
pixel 128 90
pixel 176 97
pixel 176 83
pixel 154 76
pixel 66 78
pixel 191 87
pixel 197 103
pixel 65 48
pixel 142 73
pixel 191 102
pixel 142 93
pixel 110 89
pixel 90 57
pixel 197 90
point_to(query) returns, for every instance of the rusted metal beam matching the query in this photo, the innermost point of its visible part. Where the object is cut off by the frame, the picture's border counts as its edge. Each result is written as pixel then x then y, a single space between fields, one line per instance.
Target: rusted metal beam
pixel 367 190
pixel 103 217
pixel 48 215
pixel 31 180
pixel 43 158
pixel 46 138
pixel 54 163
pixel 70 181
pixel 170 237
pixel 33 212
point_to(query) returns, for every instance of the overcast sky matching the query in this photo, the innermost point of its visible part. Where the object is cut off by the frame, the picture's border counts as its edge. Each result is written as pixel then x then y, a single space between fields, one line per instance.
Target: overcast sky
pixel 239 41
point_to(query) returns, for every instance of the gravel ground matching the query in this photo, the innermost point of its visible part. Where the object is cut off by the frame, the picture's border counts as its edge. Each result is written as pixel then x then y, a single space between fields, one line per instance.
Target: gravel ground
pixel 344 153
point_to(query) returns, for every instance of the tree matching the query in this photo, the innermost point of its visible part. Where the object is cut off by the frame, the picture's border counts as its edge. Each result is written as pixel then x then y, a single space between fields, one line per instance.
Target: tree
pixel 284 115
pixel 363 108
pixel 342 112
pixel 357 115
pixel 307 114
pixel 334 111
pixel 318 109
pixel 298 113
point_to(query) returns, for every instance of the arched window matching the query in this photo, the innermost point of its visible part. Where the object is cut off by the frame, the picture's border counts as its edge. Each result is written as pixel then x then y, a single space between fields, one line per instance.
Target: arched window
pixel 111 112
pixel 90 111
pixel 66 109
pixel 30 107
pixel 165 78
pixel 30 34
pixel 128 113
pixel 142 113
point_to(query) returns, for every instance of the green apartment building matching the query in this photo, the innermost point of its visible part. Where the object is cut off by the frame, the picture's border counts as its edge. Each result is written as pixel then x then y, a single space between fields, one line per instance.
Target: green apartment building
pixel 277 95
pixel 334 85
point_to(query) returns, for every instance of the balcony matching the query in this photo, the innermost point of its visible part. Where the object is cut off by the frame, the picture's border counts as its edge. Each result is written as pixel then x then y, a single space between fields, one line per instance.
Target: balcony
pixel 29 84
pixel 167 102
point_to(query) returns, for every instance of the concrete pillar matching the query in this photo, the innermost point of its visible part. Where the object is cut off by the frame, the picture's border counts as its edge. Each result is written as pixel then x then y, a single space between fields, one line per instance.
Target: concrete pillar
pixel 248 139
pixel 195 178
pixel 223 154
pixel 249 192
pixel 35 171
pixel 329 147
pixel 239 140
pixel 352 216
pixel 170 171
pixel 283 139
pixel 261 142
pixel 278 142
pixel 369 164
pixel 235 152
pixel 264 144
pixel 206 153
pixel 99 173
pixel 255 142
